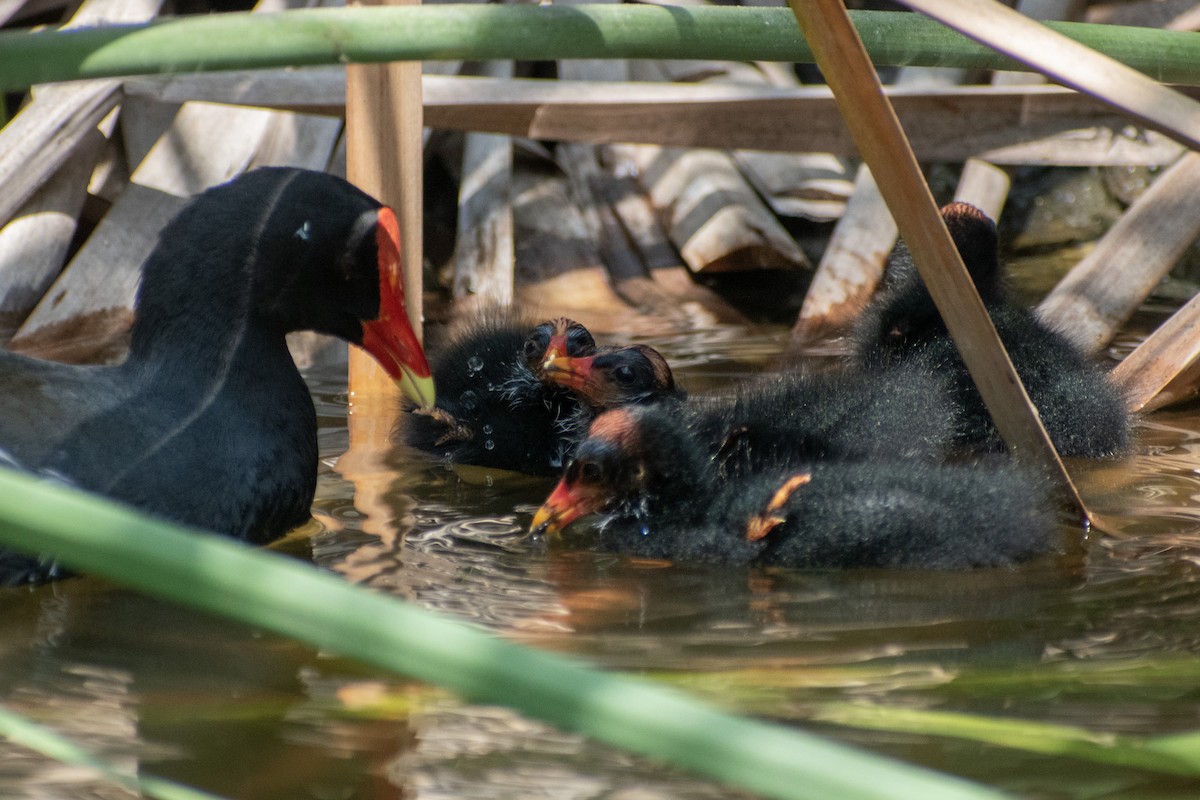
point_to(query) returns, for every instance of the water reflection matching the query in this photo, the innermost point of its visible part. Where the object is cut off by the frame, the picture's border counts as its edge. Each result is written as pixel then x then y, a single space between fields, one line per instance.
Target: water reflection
pixel 1108 644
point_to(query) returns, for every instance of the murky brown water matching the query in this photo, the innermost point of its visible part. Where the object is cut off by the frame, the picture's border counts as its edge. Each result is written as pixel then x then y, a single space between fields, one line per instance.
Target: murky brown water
pixel 1109 646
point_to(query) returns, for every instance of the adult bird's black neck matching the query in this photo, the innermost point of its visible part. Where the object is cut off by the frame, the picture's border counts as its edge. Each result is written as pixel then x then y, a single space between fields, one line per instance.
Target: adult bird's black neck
pixel 197 299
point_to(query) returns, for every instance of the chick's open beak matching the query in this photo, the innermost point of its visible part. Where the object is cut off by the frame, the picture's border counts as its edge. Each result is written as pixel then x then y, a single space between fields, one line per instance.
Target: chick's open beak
pixel 564 505
pixel 390 337
pixel 556 349
pixel 573 373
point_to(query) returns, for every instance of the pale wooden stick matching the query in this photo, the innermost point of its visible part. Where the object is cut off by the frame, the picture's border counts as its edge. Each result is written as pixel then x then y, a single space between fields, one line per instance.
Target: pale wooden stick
pixel 1002 125
pixel 33 247
pixel 9 9
pixel 483 252
pixel 384 158
pixel 984 186
pixel 712 214
pixel 951 124
pixel 44 134
pixel 843 286
pixel 852 264
pixel 631 212
pixel 1164 368
pixel 1070 63
pixel 1103 290
pixel 87 313
pixel 876 130
pixel 854 260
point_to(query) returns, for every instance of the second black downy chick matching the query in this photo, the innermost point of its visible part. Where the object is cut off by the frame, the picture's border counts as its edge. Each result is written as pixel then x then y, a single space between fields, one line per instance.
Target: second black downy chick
pixel 777 419
pixel 610 377
pixel 1084 413
pixel 790 418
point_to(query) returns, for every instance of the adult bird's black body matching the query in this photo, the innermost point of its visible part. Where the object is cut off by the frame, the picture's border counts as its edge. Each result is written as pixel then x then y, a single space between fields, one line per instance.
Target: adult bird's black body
pixel 658 494
pixel 208 422
pixel 494 408
pixel 1084 413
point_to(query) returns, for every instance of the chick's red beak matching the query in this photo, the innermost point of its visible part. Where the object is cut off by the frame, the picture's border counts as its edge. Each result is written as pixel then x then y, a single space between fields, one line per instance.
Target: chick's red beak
pixel 556 349
pixel 390 337
pixel 565 504
pixel 573 373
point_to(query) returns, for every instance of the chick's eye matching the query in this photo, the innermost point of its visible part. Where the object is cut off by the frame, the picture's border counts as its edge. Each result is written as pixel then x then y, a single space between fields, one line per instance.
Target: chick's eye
pixel 625 374
pixel 591 472
pixel 535 345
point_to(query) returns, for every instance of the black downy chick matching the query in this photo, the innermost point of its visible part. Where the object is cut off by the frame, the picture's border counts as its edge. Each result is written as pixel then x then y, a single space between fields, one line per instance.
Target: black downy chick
pixel 495 408
pixel 657 494
pixel 901 412
pixel 793 418
pixel 1084 413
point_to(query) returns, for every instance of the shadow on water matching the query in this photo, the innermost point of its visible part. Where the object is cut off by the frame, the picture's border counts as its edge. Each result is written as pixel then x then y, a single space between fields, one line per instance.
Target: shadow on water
pixel 249 715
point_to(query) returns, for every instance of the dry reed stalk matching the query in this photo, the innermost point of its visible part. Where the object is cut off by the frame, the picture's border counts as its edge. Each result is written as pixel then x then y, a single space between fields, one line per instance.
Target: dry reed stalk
pixel 881 140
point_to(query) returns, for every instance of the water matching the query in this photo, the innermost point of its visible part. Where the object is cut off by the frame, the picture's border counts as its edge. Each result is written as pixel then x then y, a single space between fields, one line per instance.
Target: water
pixel 1108 644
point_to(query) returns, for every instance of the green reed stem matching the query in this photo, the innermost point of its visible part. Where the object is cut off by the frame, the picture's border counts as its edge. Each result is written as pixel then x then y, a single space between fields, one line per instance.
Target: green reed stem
pixel 532 32
pixel 268 590
pixel 19 730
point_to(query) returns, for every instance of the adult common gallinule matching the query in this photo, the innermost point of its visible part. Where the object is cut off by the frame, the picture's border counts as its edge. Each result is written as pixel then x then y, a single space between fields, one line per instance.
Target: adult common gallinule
pixel 658 494
pixel 208 422
pixel 495 408
pixel 1082 410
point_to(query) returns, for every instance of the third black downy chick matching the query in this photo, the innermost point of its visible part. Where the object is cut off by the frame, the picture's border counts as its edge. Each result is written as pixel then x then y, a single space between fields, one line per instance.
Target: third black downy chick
pixel 1083 412
pixel 657 493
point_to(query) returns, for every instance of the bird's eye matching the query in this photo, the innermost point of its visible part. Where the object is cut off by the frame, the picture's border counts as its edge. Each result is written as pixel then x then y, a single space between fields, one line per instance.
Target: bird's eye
pixel 535 345
pixel 304 232
pixel 625 374
pixel 591 472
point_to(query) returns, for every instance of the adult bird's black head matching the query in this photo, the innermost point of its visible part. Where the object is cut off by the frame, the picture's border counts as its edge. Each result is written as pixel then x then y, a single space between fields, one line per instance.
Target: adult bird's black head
pixel 284 250
pixel 208 421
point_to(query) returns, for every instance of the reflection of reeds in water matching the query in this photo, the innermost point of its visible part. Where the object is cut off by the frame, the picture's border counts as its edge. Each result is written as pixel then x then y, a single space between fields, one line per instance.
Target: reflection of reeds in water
pixel 435 554
pixel 481 753
pixel 91 704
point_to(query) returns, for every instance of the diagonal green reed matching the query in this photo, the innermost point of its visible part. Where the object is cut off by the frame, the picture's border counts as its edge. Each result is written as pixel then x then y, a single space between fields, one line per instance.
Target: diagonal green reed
pixel 1172 755
pixel 260 588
